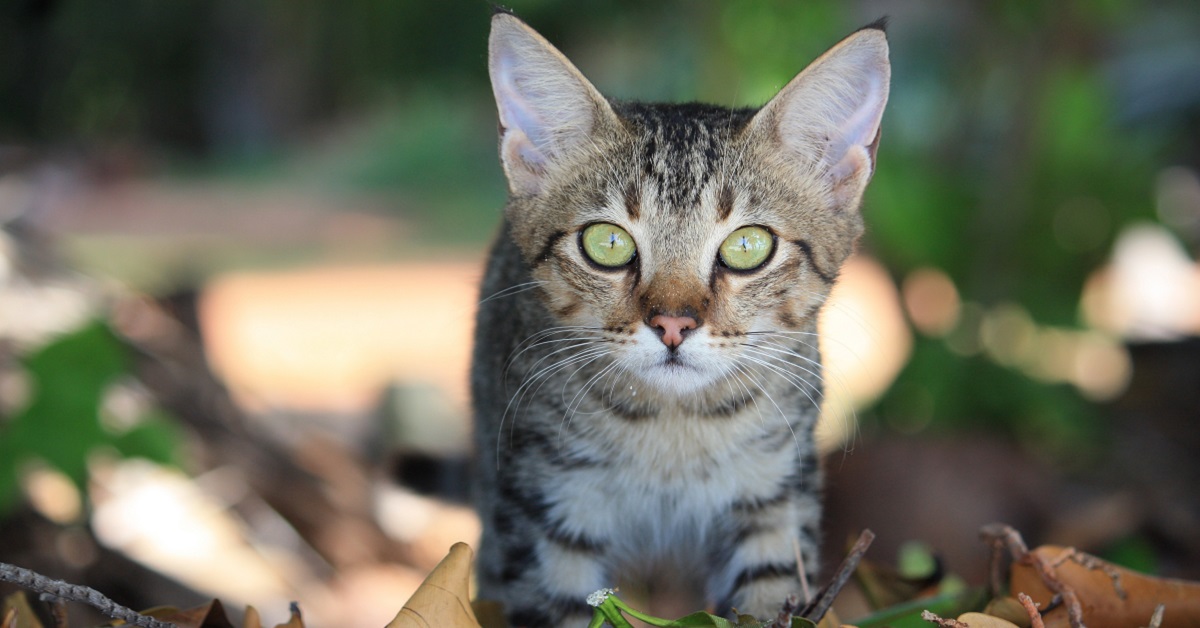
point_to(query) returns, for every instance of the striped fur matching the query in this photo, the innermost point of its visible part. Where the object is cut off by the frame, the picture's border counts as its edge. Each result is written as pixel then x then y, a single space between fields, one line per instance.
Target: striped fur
pixel 603 454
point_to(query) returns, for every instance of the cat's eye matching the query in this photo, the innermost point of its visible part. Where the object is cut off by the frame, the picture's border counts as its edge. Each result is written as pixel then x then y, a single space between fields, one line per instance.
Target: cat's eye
pixel 607 244
pixel 747 248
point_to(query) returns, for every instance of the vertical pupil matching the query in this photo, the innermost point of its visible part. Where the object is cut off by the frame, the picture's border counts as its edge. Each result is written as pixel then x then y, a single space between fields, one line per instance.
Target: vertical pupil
pixel 612 240
pixel 745 243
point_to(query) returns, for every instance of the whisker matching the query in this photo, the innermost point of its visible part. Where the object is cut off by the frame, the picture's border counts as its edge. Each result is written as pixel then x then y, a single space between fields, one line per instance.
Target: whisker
pixel 836 382
pixel 782 415
pixel 539 377
pixel 511 290
pixel 578 399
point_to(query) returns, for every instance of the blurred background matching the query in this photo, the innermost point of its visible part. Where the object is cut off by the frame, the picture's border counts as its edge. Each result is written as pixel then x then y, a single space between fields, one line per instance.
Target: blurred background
pixel 240 242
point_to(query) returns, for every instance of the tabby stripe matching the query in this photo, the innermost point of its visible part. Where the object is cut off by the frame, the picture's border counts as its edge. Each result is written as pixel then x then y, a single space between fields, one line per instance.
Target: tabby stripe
pixel 730 407
pixel 548 248
pixel 765 571
pixel 574 541
pixel 633 201
pixel 519 559
pixel 756 505
pixel 812 261
pixel 532 504
pixel 550 607
pixel 725 203
pixel 748 530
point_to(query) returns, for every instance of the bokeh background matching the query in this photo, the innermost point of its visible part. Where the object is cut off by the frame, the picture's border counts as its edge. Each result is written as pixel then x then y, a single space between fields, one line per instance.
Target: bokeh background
pixel 240 241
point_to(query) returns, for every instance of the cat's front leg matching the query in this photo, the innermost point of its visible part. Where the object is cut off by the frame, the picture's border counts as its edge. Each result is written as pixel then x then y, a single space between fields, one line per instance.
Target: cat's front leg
pixel 543 581
pixel 761 569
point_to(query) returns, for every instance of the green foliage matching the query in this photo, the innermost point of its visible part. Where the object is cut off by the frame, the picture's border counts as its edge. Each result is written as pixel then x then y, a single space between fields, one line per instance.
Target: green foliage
pixel 62 424
pixel 908 614
pixel 611 611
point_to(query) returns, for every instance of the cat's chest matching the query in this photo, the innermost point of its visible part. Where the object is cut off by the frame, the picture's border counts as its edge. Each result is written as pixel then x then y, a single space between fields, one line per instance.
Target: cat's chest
pixel 673 475
pixel 675 452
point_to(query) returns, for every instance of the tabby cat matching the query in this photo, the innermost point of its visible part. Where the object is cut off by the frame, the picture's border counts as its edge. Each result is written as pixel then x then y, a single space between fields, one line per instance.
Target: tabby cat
pixel 645 376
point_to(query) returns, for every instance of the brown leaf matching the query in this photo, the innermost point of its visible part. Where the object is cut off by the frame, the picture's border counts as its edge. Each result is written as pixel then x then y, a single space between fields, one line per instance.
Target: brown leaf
pixel 15 612
pixel 251 618
pixel 210 615
pixel 295 621
pixel 1009 609
pixel 442 601
pixel 489 613
pixel 980 620
pixel 1110 596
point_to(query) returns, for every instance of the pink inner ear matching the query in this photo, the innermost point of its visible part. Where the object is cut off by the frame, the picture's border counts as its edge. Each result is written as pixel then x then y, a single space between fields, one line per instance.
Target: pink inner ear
pixel 518 148
pixel 855 159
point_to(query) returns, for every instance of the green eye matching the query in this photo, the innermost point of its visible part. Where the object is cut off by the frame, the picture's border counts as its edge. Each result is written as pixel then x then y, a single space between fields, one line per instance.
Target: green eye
pixel 608 245
pixel 747 248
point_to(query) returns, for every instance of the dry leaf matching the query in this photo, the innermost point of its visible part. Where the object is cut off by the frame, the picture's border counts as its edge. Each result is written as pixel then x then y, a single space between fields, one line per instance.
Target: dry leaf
pixel 15 612
pixel 294 621
pixel 1009 609
pixel 442 601
pixel 1110 596
pixel 980 620
pixel 210 615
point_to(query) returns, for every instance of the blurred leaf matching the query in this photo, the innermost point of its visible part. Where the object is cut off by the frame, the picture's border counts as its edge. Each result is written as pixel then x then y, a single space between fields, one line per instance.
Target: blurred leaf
pixel 15 612
pixel 442 600
pixel 208 615
pixel 61 425
pixel 1109 596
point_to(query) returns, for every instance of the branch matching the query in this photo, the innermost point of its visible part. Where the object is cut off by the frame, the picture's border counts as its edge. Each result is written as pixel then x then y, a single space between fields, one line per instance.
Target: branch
pixel 816 608
pixel 77 593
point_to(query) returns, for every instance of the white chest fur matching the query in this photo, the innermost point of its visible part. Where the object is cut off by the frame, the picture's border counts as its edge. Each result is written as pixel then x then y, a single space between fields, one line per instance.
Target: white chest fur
pixel 671 478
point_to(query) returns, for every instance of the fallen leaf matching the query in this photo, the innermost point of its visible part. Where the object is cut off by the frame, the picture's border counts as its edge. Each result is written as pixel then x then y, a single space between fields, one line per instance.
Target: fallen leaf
pixel 442 601
pixel 251 619
pixel 1109 596
pixel 15 612
pixel 295 620
pixel 1009 609
pixel 980 620
pixel 210 615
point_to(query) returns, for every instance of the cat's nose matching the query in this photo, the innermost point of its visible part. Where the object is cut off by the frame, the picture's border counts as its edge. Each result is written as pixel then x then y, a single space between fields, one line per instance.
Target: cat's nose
pixel 672 328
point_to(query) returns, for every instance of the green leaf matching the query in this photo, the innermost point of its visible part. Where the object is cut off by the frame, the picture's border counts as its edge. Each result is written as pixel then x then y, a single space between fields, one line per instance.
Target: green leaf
pixel 908 614
pixel 61 425
pixel 700 618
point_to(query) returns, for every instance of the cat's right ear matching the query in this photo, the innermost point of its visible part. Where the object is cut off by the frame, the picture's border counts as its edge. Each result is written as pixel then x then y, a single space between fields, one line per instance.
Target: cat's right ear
pixel 547 108
pixel 827 118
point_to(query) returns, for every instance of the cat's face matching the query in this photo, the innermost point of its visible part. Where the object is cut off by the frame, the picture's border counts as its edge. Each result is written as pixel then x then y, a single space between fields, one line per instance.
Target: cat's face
pixel 672 235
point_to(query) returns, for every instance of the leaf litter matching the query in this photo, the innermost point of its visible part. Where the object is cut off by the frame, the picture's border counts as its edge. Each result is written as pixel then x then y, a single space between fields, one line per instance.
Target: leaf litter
pixel 1047 587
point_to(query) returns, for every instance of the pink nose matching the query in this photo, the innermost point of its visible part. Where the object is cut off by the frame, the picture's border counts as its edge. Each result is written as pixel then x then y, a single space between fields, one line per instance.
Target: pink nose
pixel 672 328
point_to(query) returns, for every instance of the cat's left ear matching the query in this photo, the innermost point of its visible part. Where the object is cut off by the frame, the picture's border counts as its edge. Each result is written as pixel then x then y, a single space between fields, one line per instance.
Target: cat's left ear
pixel 828 116
pixel 548 110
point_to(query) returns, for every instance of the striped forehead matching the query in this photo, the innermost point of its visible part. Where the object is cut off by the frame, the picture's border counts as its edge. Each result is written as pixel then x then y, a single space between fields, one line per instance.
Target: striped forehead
pixel 679 148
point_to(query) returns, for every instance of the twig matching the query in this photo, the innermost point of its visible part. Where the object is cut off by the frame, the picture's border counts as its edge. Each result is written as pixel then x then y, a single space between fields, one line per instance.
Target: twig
pixel 816 608
pixel 1088 561
pixel 932 617
pixel 77 593
pixel 1035 617
pixel 800 569
pixel 791 606
pixel 58 609
pixel 999 534
pixel 1156 618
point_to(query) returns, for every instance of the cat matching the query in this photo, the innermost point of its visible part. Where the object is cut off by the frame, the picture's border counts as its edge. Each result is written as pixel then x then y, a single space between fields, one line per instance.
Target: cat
pixel 645 376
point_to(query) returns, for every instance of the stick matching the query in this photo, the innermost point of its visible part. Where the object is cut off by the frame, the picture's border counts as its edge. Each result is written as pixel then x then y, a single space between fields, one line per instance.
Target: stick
pixel 816 608
pixel 77 593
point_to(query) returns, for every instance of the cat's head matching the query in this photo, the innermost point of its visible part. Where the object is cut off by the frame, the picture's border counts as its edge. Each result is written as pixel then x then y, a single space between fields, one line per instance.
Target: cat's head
pixel 680 231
